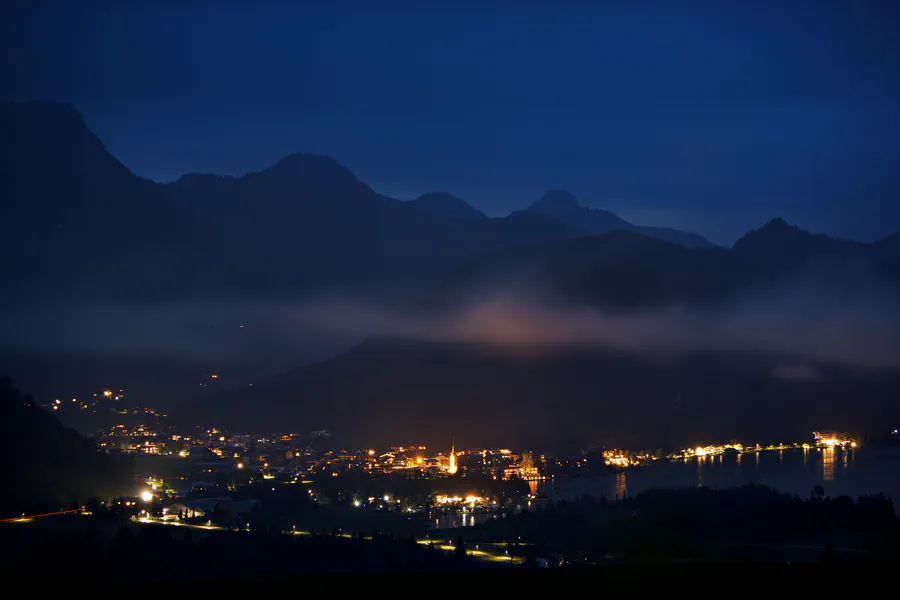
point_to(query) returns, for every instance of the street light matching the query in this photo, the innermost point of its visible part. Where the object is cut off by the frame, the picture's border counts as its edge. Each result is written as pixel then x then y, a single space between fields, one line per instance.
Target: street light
pixel 146 496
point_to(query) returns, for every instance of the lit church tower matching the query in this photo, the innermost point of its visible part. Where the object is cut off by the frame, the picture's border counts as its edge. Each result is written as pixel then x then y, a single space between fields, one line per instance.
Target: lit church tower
pixel 451 467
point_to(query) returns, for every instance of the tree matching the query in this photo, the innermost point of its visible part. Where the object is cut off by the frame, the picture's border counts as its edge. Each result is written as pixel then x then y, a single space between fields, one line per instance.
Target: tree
pixel 829 555
pixel 460 550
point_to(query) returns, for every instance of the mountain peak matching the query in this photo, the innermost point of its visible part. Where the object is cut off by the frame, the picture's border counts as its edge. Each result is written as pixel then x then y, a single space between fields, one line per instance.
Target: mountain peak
pixel 775 228
pixel 556 202
pixel 445 205
pixel 303 164
pixel 778 242
pixel 778 223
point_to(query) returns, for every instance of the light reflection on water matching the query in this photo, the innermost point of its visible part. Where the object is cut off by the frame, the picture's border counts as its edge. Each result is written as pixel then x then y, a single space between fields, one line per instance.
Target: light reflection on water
pixel 838 471
pixel 828 461
pixel 621 486
pixel 449 520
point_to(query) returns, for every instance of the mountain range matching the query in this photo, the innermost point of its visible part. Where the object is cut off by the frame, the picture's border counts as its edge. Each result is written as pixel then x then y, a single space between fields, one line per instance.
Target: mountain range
pixel 79 221
pixel 556 322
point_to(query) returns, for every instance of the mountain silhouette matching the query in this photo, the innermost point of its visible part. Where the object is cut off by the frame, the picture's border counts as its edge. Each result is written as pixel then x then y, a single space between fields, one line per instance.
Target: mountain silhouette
pixel 305 224
pixel 447 206
pixel 562 205
pixel 79 226
pixel 621 270
pixel 71 207
pixel 779 244
pixel 46 466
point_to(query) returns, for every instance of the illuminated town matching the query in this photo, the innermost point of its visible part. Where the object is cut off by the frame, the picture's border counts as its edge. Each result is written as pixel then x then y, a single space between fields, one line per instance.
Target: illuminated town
pixel 202 477
pixel 216 481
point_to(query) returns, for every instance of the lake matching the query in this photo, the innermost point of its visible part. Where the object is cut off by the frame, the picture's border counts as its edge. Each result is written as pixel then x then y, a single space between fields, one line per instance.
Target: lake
pixel 797 471
pixel 840 472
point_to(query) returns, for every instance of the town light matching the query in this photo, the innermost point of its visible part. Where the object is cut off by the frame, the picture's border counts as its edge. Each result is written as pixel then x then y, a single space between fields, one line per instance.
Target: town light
pixel 240 465
pixel 146 496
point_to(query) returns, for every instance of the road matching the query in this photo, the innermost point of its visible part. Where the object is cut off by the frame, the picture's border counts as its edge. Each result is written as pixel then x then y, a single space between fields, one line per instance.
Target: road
pixel 26 518
pixel 492 552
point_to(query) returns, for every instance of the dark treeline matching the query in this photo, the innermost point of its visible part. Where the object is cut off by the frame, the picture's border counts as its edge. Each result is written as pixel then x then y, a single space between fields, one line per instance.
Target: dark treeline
pixel 699 523
pixel 48 467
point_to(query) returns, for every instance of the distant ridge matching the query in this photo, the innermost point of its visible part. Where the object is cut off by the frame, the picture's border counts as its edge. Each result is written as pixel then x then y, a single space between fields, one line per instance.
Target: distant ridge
pixel 780 244
pixel 562 205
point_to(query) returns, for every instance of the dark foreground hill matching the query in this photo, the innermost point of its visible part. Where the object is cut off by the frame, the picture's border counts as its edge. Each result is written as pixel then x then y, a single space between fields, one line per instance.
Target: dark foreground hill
pixel 47 467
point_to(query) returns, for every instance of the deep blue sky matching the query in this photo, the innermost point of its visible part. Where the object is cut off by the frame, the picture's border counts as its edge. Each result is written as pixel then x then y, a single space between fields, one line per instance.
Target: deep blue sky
pixel 713 116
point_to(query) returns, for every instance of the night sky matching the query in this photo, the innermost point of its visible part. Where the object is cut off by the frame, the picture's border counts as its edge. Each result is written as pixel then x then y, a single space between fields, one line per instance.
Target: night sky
pixel 712 117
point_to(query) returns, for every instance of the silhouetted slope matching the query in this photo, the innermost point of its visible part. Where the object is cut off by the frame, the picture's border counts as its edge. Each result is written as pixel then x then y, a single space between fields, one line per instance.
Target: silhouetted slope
pixel 447 206
pixel 46 466
pixel 621 270
pixel 562 205
pixel 73 214
pixel 779 245
pixel 888 254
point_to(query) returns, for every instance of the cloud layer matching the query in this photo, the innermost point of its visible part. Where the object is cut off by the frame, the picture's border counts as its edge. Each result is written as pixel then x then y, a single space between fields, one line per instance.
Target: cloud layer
pixel 799 325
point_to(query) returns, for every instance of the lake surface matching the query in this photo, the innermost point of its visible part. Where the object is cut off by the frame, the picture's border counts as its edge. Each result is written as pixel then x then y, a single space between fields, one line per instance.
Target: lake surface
pixel 453 520
pixel 839 472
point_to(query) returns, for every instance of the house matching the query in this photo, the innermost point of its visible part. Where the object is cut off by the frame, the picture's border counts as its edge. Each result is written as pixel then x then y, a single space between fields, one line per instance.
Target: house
pixel 192 507
pixel 225 507
pixel 553 560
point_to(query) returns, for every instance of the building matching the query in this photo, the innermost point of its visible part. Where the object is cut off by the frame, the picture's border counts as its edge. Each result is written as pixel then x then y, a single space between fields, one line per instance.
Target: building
pixel 831 439
pixel 451 464
pixel 227 508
